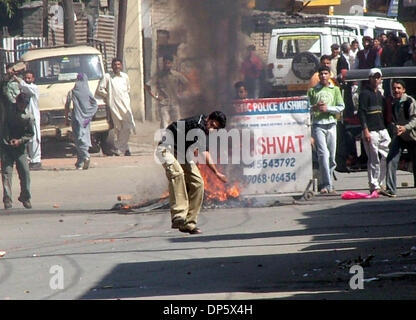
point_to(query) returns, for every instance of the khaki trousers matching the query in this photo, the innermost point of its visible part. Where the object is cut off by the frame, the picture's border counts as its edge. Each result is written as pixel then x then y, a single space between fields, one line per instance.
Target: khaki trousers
pixel 168 114
pixel 186 188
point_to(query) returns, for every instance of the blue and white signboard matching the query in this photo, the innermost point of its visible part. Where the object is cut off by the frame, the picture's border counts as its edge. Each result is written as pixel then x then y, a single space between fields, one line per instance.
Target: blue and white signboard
pixel 280 144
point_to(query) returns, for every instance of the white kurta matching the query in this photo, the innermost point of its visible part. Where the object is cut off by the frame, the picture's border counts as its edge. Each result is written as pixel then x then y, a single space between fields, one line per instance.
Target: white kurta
pixel 34 145
pixel 117 91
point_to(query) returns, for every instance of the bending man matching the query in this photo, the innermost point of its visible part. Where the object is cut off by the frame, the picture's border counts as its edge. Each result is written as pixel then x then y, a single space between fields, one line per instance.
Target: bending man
pixel 186 186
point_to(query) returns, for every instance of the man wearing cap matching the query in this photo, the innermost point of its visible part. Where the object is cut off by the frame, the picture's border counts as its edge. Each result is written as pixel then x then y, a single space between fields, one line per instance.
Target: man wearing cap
pixel 376 138
pixel 16 132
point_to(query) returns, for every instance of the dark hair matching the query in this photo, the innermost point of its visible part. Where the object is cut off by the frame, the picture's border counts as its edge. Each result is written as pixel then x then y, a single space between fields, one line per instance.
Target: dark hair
pixel 116 60
pixel 354 41
pixel 29 71
pixel 220 117
pixel 324 68
pixel 168 57
pixel 23 99
pixel 239 84
pixel 251 47
pixel 335 46
pixel 399 81
pixel 367 38
pixel 325 57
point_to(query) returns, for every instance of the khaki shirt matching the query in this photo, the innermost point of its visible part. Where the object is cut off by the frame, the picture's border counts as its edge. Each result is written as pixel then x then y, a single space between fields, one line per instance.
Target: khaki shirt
pixel 168 85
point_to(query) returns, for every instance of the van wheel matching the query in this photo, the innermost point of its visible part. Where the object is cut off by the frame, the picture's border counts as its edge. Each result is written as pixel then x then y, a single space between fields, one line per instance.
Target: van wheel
pixel 304 65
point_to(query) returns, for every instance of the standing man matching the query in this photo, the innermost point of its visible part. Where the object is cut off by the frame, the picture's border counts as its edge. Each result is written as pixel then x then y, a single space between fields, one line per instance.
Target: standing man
pixel 367 57
pixel 404 134
pixel 169 84
pixel 30 89
pixel 251 69
pixel 115 88
pixel 325 61
pixel 326 103
pixel 353 52
pixel 186 185
pixel 16 131
pixel 335 54
pixel 376 138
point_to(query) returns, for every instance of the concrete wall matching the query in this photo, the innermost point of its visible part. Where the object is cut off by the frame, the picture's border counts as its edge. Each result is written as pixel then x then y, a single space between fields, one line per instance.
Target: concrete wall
pixel 133 58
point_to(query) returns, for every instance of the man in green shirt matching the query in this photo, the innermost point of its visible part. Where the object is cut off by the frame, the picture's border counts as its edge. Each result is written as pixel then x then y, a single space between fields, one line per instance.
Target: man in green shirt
pixel 326 103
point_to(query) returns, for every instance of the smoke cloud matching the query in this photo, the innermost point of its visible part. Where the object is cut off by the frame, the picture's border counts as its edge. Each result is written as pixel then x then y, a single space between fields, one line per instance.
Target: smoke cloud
pixel 210 56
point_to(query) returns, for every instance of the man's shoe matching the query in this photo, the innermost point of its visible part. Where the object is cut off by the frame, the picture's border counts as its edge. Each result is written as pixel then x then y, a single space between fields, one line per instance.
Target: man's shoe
pixel 35 166
pixel 86 164
pixel 387 193
pixel 127 153
pixel 79 165
pixel 324 191
pixel 177 223
pixel 191 231
pixel 26 203
pixel 7 205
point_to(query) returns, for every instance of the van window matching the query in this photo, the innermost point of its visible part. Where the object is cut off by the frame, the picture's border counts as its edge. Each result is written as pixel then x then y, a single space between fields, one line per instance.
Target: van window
pixel 65 68
pixel 289 46
pixel 336 39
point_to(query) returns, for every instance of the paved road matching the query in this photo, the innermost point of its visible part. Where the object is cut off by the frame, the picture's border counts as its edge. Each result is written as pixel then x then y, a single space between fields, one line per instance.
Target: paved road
pixel 290 250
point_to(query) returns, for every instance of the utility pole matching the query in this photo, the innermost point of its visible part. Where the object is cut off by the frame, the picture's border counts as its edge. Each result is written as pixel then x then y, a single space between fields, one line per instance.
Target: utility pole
pixel 45 15
pixel 121 29
pixel 69 24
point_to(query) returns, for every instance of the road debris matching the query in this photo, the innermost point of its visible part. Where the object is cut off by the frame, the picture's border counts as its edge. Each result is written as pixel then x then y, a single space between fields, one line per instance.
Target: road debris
pixel 405 254
pixel 348 263
pixel 124 197
pixel 2 254
pixel 397 275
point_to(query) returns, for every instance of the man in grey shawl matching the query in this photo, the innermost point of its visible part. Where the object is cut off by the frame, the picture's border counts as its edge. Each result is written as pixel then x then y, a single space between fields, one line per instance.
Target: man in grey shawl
pixel 84 107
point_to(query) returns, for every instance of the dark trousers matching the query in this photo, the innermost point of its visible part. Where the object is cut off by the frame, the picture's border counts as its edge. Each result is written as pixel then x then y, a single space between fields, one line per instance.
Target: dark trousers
pixel 396 147
pixel 10 156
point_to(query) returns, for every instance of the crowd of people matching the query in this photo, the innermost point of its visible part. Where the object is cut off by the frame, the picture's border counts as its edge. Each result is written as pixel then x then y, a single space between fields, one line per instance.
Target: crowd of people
pixel 381 112
pixel 20 132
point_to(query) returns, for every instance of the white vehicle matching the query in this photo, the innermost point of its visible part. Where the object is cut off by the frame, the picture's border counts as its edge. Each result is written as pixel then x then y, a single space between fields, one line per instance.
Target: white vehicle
pixel 368 25
pixel 295 52
pixel 295 49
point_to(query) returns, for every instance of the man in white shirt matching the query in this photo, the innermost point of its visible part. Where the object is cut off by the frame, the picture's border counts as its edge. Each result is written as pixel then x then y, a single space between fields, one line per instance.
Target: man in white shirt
pixel 335 54
pixel 115 87
pixel 28 87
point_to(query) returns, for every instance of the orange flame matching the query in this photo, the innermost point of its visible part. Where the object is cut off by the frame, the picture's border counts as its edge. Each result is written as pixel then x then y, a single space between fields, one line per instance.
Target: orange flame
pixel 215 189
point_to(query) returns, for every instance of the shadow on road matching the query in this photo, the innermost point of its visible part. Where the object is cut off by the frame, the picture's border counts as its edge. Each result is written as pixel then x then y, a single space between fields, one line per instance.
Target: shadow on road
pixel 58 149
pixel 380 233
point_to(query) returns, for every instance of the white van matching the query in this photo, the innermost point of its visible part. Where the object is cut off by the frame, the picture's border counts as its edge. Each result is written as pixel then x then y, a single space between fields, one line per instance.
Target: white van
pixel 295 53
pixel 368 25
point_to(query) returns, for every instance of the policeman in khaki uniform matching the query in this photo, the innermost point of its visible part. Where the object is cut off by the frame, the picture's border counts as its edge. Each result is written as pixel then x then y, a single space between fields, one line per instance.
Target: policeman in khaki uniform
pixel 186 185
